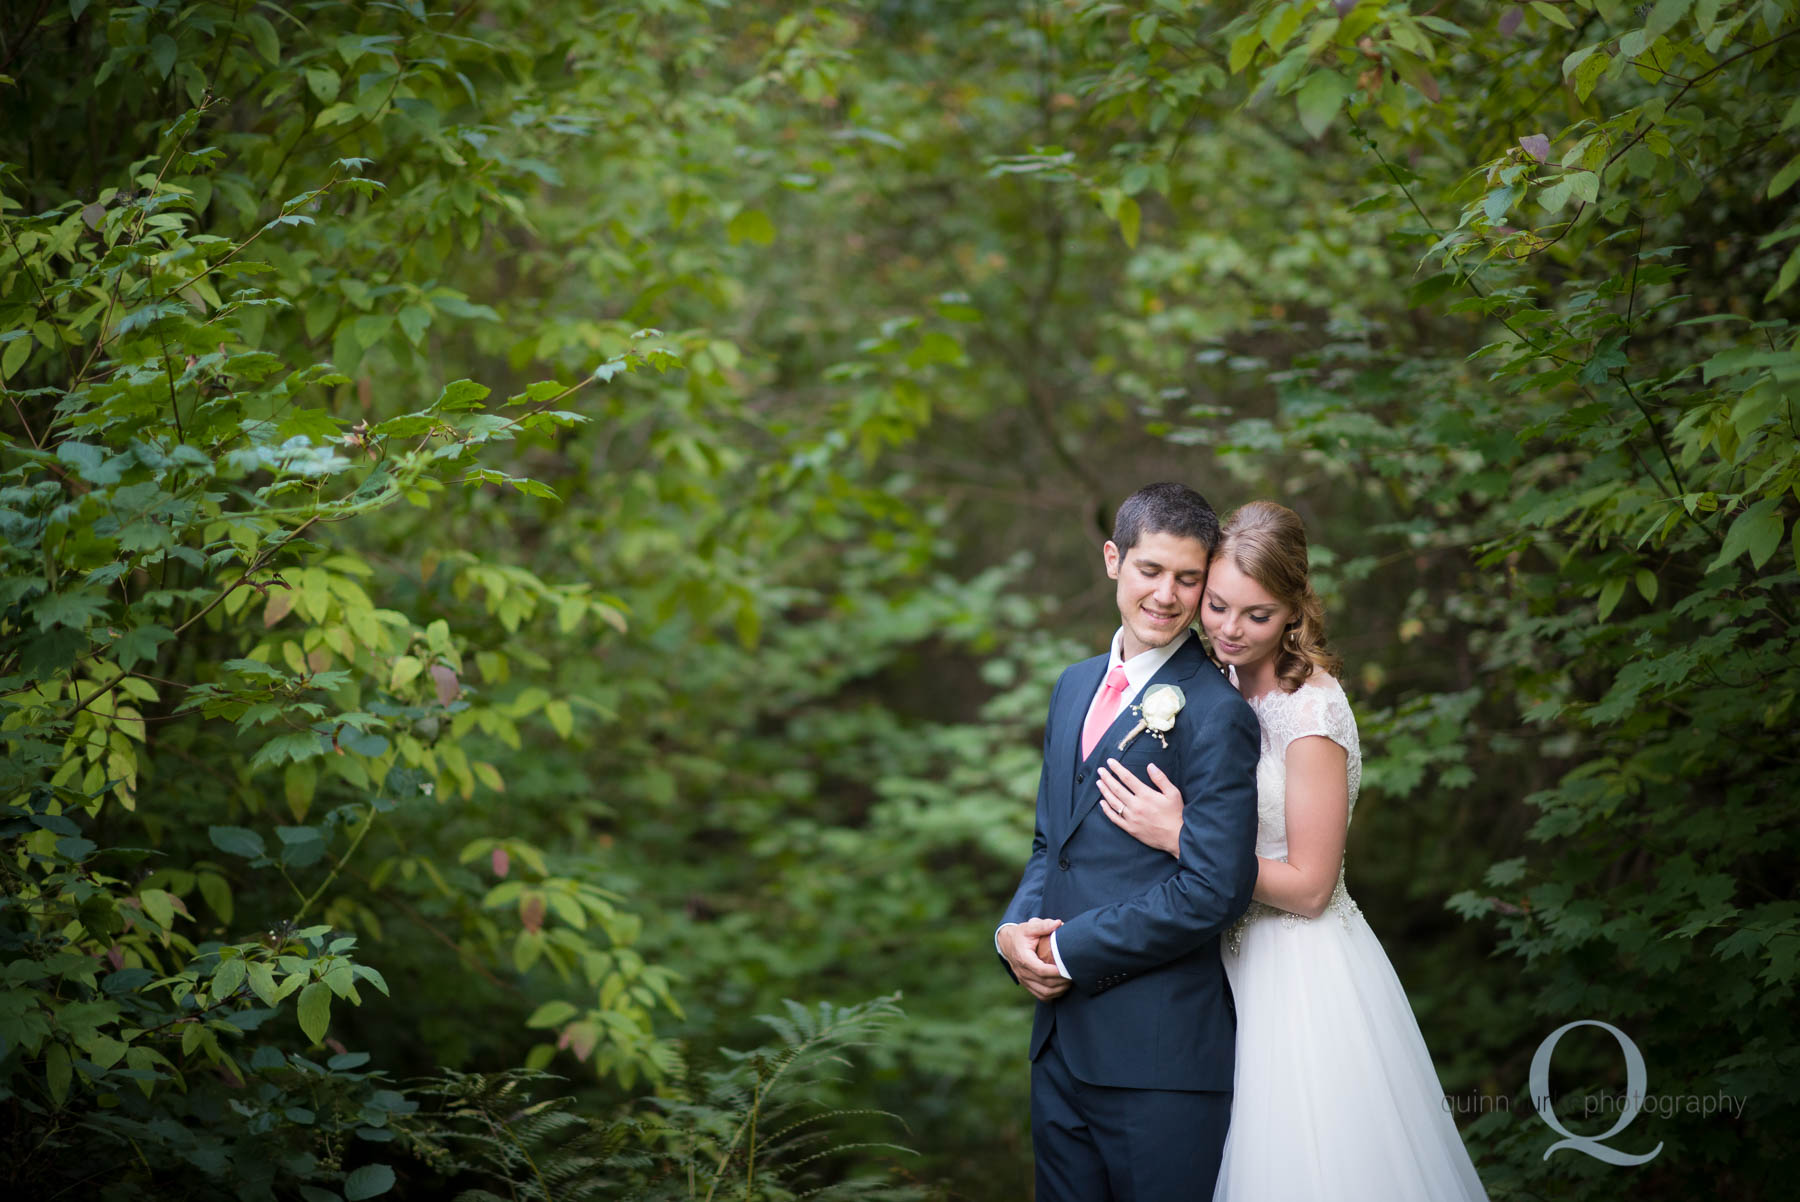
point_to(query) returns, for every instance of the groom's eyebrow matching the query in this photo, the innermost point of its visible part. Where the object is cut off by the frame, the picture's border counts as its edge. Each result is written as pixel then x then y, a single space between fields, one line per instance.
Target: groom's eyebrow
pixel 1150 565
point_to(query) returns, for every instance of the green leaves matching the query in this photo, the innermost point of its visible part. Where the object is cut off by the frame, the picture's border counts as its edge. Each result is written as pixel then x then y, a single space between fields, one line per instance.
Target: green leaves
pixel 139 643
pixel 826 443
pixel 1129 218
pixel 1551 13
pixel 370 1181
pixel 751 225
pixel 263 36
pixel 163 52
pixel 314 1010
pixel 1319 99
pixel 1603 413
pixel 1784 178
pixel 159 904
pixel 237 841
pixel 230 976
pixel 288 748
pixel 552 1014
pixel 1244 48
pixel 1583 186
pixel 90 462
pixel 300 845
pixel 58 1072
pixel 1664 15
pixel 460 396
pixel 1755 532
pixel 181 479
pixel 1610 594
pixel 18 350
pixel 324 83
pixel 1497 202
pixel 1584 68
pixel 76 610
pixel 261 979
pixel 1120 208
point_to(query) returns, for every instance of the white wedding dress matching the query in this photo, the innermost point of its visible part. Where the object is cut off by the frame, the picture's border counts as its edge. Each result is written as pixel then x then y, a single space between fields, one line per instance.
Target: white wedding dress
pixel 1335 1099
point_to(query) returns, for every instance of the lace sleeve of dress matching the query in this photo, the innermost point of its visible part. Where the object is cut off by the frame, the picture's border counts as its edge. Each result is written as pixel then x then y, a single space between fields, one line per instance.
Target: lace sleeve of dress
pixel 1321 709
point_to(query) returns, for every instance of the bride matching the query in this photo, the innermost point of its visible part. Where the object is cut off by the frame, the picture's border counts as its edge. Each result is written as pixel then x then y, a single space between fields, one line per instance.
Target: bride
pixel 1335 1094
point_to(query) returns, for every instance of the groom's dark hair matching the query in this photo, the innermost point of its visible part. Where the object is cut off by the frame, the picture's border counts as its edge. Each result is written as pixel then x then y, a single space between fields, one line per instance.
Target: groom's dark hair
pixel 1165 509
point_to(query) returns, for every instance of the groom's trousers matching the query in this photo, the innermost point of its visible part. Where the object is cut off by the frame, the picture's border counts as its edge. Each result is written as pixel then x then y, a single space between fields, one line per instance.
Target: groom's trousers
pixel 1097 1143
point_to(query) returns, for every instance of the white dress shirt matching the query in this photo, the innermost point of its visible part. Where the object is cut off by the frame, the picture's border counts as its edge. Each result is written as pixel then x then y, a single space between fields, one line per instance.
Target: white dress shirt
pixel 1138 671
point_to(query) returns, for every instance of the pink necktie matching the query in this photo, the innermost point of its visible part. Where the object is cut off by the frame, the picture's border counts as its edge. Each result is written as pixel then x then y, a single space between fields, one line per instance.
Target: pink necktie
pixel 1105 710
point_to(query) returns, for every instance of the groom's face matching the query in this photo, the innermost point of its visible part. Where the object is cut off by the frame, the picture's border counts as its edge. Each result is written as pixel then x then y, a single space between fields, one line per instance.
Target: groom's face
pixel 1159 585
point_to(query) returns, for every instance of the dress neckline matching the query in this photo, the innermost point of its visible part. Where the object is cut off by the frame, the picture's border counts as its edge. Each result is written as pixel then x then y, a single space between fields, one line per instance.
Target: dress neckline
pixel 1316 681
pixel 1231 674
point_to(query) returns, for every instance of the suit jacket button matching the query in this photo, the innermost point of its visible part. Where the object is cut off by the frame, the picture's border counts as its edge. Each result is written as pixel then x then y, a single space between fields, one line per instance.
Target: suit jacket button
pixel 1063 863
pixel 1081 778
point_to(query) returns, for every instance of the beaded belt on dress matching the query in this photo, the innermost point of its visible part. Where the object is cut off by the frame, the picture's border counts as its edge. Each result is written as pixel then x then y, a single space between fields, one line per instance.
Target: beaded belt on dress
pixel 1340 904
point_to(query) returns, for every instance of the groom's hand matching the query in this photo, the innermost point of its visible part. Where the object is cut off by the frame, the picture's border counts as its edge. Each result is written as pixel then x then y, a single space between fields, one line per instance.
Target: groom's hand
pixel 1019 944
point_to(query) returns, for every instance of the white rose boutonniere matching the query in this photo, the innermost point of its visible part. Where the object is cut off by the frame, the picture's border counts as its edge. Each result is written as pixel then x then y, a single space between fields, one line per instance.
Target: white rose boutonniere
pixel 1156 713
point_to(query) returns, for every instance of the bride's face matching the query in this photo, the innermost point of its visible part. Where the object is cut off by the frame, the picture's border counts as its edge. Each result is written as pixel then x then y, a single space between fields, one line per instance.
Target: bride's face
pixel 1243 621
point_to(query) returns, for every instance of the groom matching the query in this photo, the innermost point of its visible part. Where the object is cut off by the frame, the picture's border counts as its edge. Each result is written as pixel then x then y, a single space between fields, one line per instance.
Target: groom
pixel 1132 1046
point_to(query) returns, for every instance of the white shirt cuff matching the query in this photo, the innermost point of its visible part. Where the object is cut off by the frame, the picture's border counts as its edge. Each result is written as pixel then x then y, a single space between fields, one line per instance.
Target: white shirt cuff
pixel 1056 955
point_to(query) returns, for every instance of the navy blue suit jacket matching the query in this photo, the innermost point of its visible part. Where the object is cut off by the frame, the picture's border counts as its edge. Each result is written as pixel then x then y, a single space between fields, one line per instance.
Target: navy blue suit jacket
pixel 1150 1007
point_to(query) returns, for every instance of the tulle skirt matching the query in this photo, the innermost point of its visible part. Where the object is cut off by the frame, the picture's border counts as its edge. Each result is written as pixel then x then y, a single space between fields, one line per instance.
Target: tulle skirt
pixel 1335 1097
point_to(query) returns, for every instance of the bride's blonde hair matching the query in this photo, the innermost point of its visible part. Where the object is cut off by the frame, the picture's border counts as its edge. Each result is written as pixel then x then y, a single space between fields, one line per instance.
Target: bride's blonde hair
pixel 1267 542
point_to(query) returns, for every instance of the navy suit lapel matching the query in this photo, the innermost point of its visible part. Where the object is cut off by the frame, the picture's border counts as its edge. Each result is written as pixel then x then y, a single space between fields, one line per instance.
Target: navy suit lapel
pixel 1181 666
pixel 1065 738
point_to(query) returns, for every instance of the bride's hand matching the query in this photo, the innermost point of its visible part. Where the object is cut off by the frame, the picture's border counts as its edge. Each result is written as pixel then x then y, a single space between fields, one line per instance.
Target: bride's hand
pixel 1149 813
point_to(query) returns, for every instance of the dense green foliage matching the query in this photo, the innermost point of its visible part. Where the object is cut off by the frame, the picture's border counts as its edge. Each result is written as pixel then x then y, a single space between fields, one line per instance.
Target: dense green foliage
pixel 532 532
pixel 1599 202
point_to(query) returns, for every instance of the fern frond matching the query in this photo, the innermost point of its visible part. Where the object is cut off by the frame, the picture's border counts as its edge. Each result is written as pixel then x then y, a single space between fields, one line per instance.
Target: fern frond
pixel 750 1127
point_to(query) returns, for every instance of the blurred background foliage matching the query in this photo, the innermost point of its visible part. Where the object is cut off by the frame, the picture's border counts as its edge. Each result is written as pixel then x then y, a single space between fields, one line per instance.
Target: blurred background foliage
pixel 534 532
